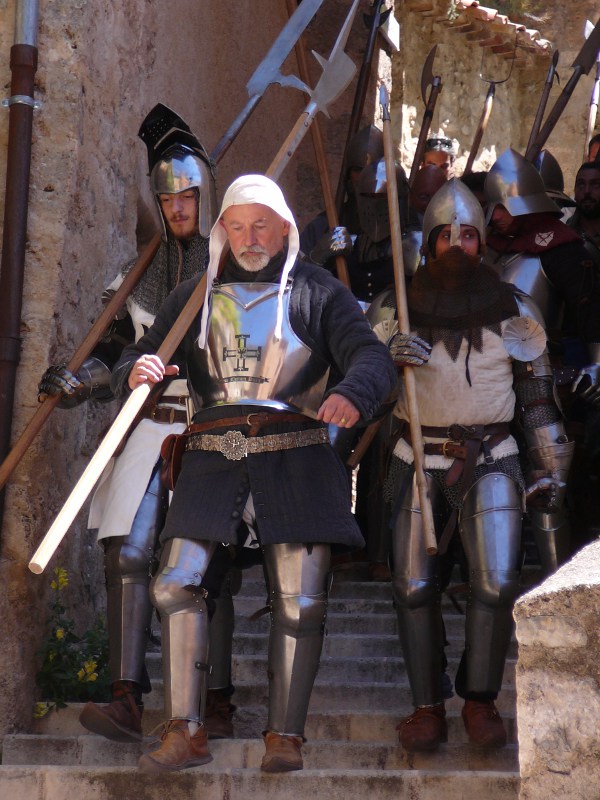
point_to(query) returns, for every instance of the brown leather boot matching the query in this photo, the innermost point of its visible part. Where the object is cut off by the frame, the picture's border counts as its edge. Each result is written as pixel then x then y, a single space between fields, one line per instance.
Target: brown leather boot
pixel 178 750
pixel 424 730
pixel 219 712
pixel 483 723
pixel 283 753
pixel 120 720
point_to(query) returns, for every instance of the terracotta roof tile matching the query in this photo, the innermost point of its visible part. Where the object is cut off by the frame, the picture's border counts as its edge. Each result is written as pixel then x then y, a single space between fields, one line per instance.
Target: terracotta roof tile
pixel 486 26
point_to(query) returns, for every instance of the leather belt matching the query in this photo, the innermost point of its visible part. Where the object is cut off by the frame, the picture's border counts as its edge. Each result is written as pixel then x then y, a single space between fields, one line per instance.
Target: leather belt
pixel 164 414
pixel 255 421
pixel 235 446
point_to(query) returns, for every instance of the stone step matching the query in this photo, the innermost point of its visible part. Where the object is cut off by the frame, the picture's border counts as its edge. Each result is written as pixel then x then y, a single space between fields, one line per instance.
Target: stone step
pixel 361 669
pixel 248 605
pixel 369 724
pixel 94 751
pixel 212 783
pixel 351 645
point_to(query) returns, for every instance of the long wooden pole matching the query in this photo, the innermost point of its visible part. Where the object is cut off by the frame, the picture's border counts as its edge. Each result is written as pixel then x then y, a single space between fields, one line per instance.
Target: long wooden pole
pixel 404 327
pixel 83 351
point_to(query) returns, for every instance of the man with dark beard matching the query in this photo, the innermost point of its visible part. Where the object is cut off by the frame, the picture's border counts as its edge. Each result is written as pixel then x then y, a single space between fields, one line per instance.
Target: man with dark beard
pixel 586 219
pixel 480 354
pixel 280 350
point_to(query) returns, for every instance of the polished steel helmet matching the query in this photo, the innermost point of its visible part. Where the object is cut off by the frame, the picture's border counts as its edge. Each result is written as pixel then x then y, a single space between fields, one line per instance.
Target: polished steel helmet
pixel 364 148
pixel 553 178
pixel 454 205
pixel 515 183
pixel 178 162
pixel 180 170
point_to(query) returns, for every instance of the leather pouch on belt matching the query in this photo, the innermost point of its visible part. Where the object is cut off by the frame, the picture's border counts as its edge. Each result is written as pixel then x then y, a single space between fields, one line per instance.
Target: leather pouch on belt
pixel 171 452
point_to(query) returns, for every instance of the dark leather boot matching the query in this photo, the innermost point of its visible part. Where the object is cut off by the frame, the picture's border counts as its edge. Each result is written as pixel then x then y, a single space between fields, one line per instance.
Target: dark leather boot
pixel 424 730
pixel 219 712
pixel 178 750
pixel 283 753
pixel 483 723
pixel 121 719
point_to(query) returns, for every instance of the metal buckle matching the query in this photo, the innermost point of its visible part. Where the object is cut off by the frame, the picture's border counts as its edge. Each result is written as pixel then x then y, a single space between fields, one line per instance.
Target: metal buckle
pixel 444 444
pixel 234 445
pixel 171 410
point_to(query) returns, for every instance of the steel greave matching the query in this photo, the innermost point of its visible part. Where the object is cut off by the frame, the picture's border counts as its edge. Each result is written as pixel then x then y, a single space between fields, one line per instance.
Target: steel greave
pixel 297 580
pixel 416 590
pixel 127 563
pixel 177 594
pixel 490 529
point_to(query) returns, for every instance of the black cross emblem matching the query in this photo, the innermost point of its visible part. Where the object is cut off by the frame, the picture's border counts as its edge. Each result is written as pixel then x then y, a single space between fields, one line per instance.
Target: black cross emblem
pixel 242 353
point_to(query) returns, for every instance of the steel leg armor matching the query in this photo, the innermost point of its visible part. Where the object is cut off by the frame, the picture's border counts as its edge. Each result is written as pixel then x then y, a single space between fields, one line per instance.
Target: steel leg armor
pixel 490 530
pixel 127 562
pixel 552 534
pixel 297 581
pixel 177 593
pixel 416 589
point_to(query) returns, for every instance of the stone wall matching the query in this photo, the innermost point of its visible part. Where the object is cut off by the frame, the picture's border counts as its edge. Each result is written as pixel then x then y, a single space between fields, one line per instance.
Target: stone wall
pixel 558 682
pixel 460 62
pixel 102 66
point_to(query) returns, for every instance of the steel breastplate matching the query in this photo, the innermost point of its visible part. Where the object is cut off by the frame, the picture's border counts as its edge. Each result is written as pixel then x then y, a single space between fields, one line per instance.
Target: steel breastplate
pixel 244 364
pixel 527 274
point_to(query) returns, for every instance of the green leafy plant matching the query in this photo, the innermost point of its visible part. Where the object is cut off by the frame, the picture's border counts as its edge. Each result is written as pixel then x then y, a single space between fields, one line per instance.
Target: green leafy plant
pixel 74 668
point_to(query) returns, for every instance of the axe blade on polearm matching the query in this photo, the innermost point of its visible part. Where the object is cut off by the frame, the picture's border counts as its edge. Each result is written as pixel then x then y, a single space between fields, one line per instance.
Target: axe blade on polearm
pixel 338 71
pixel 269 71
pixel 581 66
pixel 428 79
pixel 539 116
pixel 594 97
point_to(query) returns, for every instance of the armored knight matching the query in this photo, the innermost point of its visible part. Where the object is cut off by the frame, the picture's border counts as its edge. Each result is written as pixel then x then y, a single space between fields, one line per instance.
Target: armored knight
pixel 129 505
pixel 473 338
pixel 532 249
pixel 281 350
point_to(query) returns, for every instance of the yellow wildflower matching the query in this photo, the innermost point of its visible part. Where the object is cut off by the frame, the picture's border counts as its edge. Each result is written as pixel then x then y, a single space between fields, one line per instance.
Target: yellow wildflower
pixel 87 673
pixel 40 710
pixel 62 579
pixel 60 633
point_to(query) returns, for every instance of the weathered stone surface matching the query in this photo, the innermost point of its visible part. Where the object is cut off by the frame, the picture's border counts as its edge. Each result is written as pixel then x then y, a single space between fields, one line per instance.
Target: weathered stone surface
pixel 558 697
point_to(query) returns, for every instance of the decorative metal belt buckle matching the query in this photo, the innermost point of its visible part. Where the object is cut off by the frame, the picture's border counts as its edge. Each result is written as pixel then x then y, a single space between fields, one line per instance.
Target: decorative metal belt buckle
pixel 234 445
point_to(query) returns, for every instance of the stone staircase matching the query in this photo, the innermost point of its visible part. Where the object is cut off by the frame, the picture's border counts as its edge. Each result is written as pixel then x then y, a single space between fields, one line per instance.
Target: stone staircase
pixel 352 749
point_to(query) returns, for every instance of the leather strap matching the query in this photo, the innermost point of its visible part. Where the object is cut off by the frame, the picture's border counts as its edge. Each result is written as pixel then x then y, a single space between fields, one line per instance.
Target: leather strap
pixel 255 421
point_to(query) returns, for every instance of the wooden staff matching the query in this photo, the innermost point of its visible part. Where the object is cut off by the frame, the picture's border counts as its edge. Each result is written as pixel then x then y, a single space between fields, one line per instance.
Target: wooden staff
pixel 404 327
pixel 97 330
pixel 113 438
pixel 320 157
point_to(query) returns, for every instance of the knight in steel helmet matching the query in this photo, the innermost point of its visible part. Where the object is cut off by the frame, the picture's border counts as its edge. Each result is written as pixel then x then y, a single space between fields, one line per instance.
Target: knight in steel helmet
pixel 364 148
pixel 453 205
pixel 178 163
pixel 371 192
pixel 553 178
pixel 515 183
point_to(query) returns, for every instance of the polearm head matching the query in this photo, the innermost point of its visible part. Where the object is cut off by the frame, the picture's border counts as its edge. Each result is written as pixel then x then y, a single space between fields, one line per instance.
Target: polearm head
pixel 384 102
pixel 338 69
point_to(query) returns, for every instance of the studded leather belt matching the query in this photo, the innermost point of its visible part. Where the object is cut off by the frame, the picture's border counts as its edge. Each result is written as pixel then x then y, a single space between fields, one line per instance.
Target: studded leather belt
pixel 235 446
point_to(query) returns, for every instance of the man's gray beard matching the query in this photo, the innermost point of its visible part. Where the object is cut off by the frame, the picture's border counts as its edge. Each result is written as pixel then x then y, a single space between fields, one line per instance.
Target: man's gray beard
pixel 254 262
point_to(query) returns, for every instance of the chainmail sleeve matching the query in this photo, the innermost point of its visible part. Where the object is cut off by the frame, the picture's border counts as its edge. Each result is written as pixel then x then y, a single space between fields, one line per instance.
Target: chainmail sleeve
pixel 534 388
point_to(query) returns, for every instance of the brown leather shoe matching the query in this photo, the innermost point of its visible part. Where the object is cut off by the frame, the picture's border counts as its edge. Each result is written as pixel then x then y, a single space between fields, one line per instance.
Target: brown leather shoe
pixel 120 720
pixel 483 723
pixel 178 750
pixel 424 730
pixel 283 753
